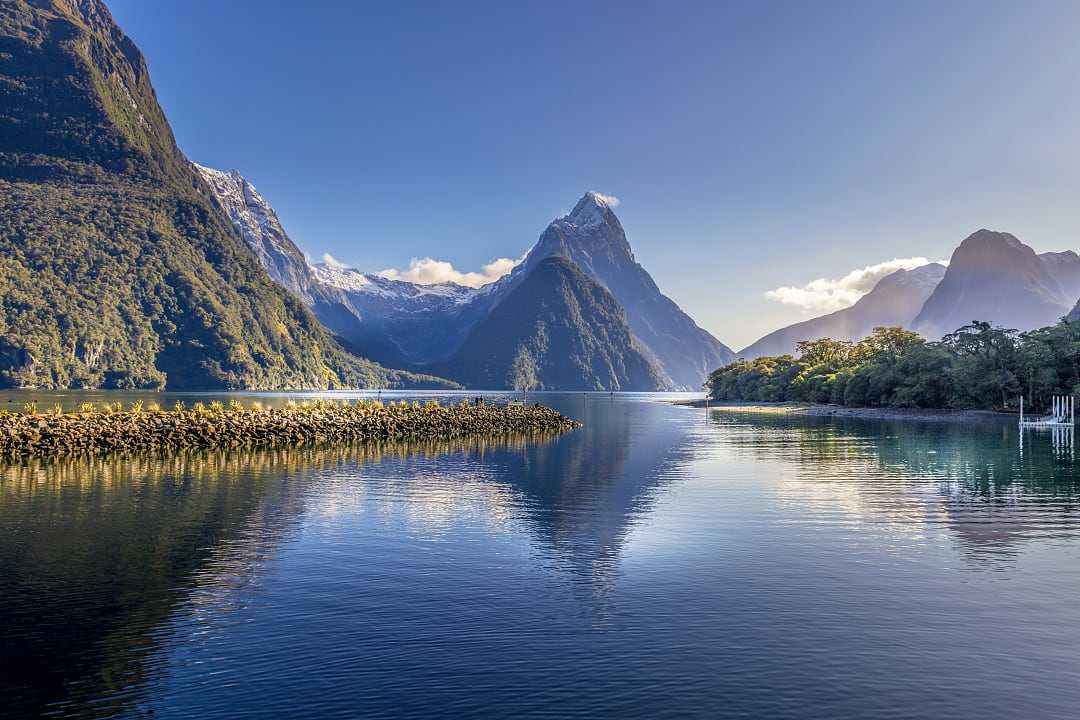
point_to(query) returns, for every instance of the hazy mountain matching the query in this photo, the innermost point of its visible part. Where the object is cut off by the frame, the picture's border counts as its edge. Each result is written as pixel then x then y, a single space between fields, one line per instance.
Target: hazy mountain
pixel 118 267
pixel 593 238
pixel 1064 267
pixel 993 277
pixel 894 301
pixel 572 329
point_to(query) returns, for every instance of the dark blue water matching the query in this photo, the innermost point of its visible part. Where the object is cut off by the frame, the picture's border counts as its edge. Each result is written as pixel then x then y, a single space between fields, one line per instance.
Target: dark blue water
pixel 658 562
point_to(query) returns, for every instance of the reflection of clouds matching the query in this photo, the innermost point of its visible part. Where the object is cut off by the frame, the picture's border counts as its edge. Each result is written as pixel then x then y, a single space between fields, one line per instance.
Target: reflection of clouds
pixel 434 502
pixel 903 479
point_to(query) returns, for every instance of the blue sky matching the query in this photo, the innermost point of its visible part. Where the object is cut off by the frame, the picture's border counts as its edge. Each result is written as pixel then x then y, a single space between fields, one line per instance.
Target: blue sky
pixel 752 145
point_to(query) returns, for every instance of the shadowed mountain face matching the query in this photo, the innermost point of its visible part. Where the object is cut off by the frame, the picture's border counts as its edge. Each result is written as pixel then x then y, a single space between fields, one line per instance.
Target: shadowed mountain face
pixel 593 238
pixel 993 277
pixel 895 301
pixel 572 330
pixel 116 266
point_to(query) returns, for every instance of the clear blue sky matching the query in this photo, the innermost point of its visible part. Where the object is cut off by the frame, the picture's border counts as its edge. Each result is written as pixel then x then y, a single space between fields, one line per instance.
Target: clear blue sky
pixel 753 145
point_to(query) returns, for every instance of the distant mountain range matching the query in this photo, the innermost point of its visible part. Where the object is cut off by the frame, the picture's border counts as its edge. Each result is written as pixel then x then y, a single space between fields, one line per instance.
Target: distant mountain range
pixel 894 300
pixel 991 276
pixel 431 328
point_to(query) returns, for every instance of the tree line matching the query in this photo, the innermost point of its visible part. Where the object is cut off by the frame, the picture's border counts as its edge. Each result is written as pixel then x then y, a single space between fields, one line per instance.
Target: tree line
pixel 979 365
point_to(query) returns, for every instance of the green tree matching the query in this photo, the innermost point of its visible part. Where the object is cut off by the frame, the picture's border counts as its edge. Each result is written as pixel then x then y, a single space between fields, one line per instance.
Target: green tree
pixel 523 372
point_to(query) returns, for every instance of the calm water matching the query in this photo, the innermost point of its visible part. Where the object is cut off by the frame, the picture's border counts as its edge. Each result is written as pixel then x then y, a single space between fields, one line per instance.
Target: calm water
pixel 659 562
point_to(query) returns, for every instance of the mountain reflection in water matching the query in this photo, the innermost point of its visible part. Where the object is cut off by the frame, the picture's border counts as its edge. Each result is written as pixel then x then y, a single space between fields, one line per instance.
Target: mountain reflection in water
pixel 658 561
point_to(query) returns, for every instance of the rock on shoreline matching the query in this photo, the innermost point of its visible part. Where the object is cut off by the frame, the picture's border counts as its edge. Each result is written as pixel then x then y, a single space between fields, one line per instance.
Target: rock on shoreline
pixel 214 426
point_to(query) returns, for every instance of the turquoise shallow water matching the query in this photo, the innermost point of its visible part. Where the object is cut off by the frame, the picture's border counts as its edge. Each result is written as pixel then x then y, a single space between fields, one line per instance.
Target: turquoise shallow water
pixel 658 562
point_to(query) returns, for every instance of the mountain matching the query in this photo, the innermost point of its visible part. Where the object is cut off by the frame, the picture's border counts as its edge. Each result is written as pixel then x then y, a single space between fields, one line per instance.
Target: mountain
pixel 260 228
pixel 422 326
pixel 257 222
pixel 894 301
pixel 992 276
pixel 405 323
pixel 592 236
pixel 119 268
pixel 572 331
pixel 1064 267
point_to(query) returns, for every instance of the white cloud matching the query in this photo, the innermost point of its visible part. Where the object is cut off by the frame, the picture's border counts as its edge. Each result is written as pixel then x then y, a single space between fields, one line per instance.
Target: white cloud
pixel 826 295
pixel 428 271
pixel 333 261
pixel 609 200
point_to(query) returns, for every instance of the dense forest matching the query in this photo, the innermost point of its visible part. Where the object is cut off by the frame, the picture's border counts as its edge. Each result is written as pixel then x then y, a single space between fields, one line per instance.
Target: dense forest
pixel 978 366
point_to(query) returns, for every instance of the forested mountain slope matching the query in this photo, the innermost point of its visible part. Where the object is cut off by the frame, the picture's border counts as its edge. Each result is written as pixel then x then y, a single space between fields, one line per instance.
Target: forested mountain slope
pixel 117 266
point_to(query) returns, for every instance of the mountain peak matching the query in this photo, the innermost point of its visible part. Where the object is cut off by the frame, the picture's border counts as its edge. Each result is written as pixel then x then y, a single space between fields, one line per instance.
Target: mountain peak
pixel 993 276
pixel 990 238
pixel 592 209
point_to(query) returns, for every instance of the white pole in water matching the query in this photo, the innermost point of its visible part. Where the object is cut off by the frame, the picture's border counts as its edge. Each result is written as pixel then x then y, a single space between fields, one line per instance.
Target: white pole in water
pixel 1021 409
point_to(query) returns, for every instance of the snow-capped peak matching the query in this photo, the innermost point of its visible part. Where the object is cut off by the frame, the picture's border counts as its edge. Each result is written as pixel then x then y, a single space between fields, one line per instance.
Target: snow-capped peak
pixel 591 209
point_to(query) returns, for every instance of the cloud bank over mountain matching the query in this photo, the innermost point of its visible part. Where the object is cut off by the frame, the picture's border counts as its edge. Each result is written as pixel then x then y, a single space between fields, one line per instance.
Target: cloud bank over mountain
pixel 429 271
pixel 826 295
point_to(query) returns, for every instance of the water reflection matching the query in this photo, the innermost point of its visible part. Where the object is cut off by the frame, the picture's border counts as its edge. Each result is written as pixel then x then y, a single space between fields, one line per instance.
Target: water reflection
pixel 991 490
pixel 658 561
pixel 96 554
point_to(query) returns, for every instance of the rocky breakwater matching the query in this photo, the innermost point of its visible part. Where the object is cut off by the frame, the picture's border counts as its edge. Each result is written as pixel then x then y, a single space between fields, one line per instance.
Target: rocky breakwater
pixel 113 428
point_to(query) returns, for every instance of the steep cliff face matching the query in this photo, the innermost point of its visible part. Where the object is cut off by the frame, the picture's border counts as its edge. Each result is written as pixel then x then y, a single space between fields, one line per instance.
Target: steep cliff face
pixel 894 302
pixel 260 228
pixel 117 267
pixel 567 328
pixel 992 276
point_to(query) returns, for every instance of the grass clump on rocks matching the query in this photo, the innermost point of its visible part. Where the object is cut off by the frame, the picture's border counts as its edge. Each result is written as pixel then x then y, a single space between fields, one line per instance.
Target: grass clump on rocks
pixel 111 428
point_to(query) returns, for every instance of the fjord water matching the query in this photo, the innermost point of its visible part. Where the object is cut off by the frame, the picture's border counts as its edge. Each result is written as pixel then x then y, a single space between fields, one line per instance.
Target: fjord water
pixel 657 562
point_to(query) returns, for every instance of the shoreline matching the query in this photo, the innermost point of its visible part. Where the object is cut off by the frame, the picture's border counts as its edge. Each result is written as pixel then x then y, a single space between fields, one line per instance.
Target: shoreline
pixel 868 413
pixel 110 428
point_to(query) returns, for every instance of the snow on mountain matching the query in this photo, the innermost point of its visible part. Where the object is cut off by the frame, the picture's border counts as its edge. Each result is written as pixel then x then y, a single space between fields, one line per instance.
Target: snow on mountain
pixel 355 281
pixel 258 224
